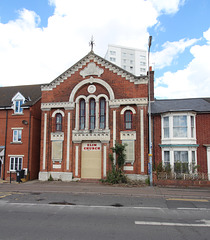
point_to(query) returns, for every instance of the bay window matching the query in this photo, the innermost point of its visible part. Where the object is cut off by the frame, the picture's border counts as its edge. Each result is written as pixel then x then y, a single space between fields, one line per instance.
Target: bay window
pixel 180 160
pixel 181 164
pixel 167 160
pixel 166 127
pixel 178 126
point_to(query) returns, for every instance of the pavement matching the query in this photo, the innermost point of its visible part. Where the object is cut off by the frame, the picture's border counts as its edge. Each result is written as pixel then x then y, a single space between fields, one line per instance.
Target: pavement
pixel 99 188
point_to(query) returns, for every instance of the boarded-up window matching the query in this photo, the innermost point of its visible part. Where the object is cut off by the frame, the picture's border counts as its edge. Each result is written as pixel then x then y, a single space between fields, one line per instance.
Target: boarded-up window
pixel 130 150
pixel 57 150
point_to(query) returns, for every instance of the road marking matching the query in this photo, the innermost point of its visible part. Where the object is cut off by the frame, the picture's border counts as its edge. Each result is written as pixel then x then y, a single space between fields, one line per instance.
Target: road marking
pixel 206 223
pixel 187 199
pixel 6 194
pixel 200 209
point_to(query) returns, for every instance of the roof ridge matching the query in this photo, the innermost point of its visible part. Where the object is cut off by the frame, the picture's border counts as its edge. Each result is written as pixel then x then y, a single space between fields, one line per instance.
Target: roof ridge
pixel 96 58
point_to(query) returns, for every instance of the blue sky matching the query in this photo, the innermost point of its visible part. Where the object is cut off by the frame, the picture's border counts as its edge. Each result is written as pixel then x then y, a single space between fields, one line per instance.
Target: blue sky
pixel 42 38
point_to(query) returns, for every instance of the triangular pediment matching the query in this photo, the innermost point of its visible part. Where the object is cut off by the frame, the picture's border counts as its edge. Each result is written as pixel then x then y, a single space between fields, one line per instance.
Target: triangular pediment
pixel 18 96
pixel 92 69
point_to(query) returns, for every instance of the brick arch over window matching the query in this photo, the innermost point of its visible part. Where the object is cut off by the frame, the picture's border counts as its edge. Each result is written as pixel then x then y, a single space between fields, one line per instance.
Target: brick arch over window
pixel 58 111
pixel 128 108
pixel 91 80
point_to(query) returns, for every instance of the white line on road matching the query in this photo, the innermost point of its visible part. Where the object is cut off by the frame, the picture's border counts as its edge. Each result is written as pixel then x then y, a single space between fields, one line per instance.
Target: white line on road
pixel 206 223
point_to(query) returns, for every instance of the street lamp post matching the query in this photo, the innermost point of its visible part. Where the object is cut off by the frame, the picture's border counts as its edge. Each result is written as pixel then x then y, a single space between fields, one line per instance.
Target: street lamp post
pixel 149 113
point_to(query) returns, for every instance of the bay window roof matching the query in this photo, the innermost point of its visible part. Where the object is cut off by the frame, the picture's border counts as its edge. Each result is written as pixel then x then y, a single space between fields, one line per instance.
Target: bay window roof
pixel 181 105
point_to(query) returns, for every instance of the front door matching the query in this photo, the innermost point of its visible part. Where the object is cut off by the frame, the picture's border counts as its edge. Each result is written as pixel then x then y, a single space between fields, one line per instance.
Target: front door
pixel 91 160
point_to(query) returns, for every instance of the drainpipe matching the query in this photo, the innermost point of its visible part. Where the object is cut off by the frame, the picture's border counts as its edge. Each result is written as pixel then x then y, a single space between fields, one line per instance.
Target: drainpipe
pixel 29 143
pixel 5 144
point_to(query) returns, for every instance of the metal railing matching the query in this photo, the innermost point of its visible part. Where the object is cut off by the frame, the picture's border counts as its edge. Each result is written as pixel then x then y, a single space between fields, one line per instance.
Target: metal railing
pixel 183 176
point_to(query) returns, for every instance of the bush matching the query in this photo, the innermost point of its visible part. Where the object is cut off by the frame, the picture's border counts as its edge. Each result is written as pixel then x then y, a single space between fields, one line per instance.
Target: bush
pixel 50 178
pixel 116 175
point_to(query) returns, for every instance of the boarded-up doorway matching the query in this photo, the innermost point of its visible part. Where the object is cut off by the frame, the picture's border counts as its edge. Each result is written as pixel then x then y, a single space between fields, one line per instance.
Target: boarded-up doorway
pixel 91 160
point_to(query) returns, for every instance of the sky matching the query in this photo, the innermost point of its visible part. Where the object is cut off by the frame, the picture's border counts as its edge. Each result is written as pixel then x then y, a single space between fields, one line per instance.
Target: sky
pixel 40 39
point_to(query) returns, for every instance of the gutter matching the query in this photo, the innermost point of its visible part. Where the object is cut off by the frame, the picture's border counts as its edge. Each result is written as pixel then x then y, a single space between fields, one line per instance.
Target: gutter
pixel 5 144
pixel 29 145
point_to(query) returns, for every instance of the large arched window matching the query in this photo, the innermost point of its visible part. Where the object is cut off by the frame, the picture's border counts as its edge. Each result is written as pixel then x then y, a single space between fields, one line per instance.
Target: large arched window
pixel 58 122
pixel 92 113
pixel 82 114
pixel 102 113
pixel 128 119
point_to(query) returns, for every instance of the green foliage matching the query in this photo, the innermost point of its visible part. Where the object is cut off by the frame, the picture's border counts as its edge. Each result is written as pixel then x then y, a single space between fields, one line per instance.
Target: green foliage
pixel 147 181
pixel 119 149
pixel 116 175
pixel 159 167
pixel 50 178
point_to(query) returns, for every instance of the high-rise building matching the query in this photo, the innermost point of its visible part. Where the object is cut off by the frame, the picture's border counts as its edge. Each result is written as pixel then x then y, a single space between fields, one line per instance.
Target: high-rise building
pixel 130 59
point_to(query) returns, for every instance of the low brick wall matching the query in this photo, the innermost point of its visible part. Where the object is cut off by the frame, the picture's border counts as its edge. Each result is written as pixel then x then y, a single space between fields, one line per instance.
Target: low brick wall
pixel 179 182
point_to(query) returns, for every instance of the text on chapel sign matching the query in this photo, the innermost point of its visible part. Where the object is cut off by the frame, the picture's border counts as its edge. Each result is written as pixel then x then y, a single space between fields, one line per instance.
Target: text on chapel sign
pixel 91 147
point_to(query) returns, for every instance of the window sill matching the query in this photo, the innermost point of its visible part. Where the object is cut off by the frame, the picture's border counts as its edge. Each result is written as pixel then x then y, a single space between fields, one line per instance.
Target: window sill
pixel 178 141
pixel 16 143
pixel 17 114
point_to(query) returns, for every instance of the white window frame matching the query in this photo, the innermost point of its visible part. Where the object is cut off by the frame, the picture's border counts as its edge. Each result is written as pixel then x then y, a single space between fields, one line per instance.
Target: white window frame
pixel 18 100
pixel 18 108
pixel 18 159
pixel 171 151
pixel 16 134
pixel 191 132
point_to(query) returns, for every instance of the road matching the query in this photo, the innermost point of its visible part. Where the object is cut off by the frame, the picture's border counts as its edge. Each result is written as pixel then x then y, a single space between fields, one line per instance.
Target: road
pixel 47 221
pixel 98 212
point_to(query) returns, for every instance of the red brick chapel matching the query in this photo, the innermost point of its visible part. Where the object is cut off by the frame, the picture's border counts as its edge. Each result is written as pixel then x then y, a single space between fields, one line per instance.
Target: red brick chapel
pixel 85 111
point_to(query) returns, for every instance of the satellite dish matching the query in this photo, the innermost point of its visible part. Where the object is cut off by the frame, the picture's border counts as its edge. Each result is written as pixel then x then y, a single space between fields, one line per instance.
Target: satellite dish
pixel 24 122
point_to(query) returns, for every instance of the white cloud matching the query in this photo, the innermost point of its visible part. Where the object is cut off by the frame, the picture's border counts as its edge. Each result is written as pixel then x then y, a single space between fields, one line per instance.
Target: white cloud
pixel 170 51
pixel 30 54
pixel 167 6
pixel 193 81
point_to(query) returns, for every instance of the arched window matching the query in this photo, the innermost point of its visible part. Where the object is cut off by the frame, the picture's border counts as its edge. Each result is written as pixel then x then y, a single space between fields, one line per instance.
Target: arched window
pixel 102 113
pixel 58 122
pixel 128 119
pixel 92 113
pixel 82 114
